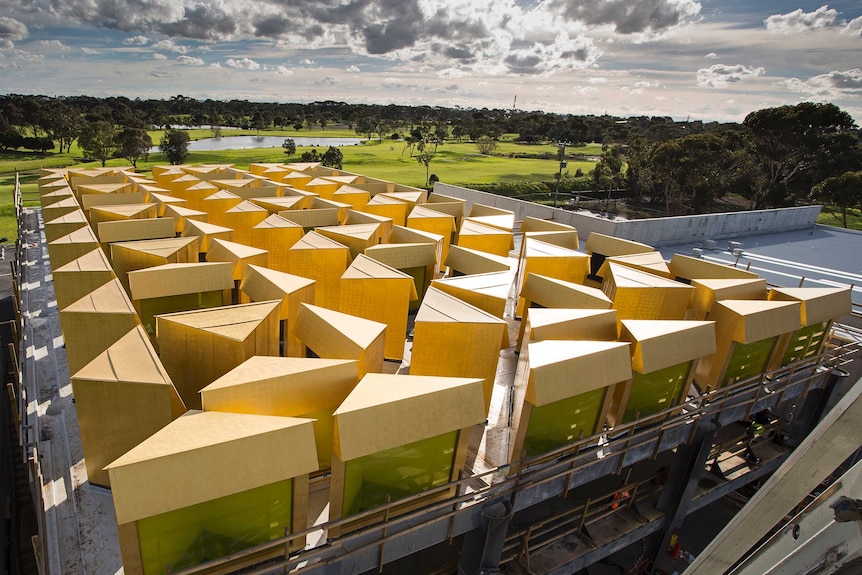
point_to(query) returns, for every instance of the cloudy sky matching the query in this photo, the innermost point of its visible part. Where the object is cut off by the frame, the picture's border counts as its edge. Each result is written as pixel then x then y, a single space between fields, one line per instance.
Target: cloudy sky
pixel 709 60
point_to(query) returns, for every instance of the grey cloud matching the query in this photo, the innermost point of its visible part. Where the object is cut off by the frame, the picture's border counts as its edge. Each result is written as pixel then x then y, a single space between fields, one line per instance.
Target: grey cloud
pixel 272 26
pixel 833 85
pixel 11 31
pixel 629 16
pixel 201 22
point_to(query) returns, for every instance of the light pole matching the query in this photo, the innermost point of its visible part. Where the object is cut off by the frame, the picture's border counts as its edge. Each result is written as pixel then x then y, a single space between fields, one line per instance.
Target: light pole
pixel 562 153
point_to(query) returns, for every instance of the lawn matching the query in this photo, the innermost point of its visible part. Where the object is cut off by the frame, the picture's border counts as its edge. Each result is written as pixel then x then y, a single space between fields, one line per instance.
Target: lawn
pixel 831 216
pixel 454 163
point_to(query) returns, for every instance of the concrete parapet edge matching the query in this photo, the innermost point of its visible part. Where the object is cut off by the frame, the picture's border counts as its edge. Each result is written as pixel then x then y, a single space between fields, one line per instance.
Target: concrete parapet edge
pixel 653 231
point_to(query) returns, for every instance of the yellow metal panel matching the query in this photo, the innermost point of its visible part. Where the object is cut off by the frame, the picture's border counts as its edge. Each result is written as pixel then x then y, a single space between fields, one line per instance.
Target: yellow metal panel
pixel 122 397
pixel 386 411
pixel 80 277
pixel 238 255
pixel 658 344
pixel 818 304
pixel 336 335
pixel 214 341
pixel 183 463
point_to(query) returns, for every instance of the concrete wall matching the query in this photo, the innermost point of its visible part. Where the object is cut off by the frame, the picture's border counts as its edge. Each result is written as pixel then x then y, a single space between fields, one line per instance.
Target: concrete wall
pixel 653 231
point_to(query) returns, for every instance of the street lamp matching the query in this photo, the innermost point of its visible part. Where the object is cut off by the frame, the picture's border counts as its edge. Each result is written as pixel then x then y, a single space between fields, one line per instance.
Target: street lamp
pixel 562 153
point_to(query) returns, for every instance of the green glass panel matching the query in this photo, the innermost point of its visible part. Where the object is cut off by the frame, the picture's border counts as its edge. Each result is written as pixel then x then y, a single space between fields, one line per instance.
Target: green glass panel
pixel 175 303
pixel 189 536
pixel 804 342
pixel 653 392
pixel 398 472
pixel 748 360
pixel 557 424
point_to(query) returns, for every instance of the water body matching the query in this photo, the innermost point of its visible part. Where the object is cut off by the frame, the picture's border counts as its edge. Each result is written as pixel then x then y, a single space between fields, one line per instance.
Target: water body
pixel 247 142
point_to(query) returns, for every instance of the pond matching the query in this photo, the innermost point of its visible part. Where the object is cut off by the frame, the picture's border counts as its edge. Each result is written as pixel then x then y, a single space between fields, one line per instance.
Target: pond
pixel 246 142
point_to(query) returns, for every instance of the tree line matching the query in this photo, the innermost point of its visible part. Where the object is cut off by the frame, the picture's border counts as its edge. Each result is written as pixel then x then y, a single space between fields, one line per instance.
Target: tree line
pixel 776 157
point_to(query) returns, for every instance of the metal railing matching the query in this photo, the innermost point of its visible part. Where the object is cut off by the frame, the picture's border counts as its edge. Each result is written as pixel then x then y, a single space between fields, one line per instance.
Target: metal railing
pixel 561 466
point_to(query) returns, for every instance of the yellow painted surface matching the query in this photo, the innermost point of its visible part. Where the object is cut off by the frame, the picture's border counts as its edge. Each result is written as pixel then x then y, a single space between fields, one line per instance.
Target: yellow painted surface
pixel 336 335
pixel 72 246
pixel 484 238
pixel 131 256
pixel 242 218
pixel 690 268
pixel 323 260
pixel 287 386
pixel 122 396
pixel 708 291
pixel 121 212
pixel 130 230
pixel 95 322
pixel 571 324
pixel 64 225
pixel 60 208
pixel 386 411
pixel 740 322
pixel 357 237
pixel 472 262
pixel 561 369
pixel 214 341
pixel 641 295
pixel 312 218
pixel 205 232
pixel 156 476
pixel 237 254
pixel 426 219
pixel 81 276
pixel 357 217
pixel 180 213
pixel 375 291
pixel 387 207
pixel 180 278
pixel 264 284
pixel 817 304
pixel 657 344
pixel 452 338
pixel 609 246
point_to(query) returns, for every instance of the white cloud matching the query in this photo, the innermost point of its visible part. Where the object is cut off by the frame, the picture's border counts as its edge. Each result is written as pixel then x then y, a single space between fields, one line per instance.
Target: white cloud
pixel 711 56
pixel 171 46
pixel 832 86
pixel 54 45
pixel 89 51
pixel 586 90
pixel 11 31
pixel 799 21
pixel 853 27
pixel 157 56
pixel 28 57
pixel 352 69
pixel 597 80
pixel 327 81
pixel 242 63
pixel 453 73
pixel 307 62
pixel 190 60
pixel 283 71
pixel 138 40
pixel 216 65
pixel 719 75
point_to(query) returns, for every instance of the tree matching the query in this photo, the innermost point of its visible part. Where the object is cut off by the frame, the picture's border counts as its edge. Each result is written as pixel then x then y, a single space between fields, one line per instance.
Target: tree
pixel 332 158
pixel 63 123
pixel 426 154
pixel 843 192
pixel 486 145
pixel 793 145
pixel 310 156
pixel 175 145
pixel 289 146
pixel 133 144
pixel 97 140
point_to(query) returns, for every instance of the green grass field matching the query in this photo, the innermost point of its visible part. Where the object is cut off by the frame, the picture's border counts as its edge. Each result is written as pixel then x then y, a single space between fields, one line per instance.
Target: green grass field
pixel 455 163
